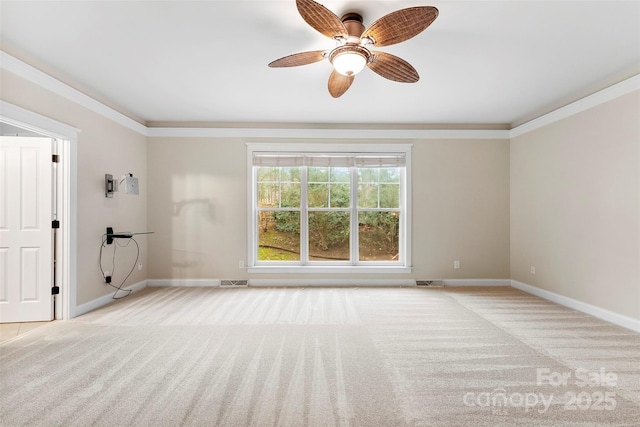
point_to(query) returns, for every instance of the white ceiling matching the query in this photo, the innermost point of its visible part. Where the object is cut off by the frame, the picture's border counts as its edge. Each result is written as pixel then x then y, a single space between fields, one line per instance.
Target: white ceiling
pixel 480 62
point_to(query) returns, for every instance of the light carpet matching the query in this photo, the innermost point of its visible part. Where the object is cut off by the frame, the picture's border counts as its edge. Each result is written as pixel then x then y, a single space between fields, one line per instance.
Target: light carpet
pixel 324 357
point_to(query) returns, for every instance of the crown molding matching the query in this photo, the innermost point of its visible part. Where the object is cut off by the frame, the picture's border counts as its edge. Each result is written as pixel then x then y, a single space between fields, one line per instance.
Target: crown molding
pixel 32 74
pixel 315 133
pixel 610 93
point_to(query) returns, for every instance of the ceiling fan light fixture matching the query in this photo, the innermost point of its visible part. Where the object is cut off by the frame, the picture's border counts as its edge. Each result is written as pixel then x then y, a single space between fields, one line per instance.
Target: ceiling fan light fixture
pixel 354 41
pixel 349 60
pixel 349 63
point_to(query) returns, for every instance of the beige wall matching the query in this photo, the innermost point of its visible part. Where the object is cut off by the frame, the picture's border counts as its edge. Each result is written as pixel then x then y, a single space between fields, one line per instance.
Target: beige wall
pixel 575 206
pixel 198 209
pixel 103 147
pixel 461 209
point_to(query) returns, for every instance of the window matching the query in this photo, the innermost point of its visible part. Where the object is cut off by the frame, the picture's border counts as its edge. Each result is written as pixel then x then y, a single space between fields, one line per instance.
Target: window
pixel 319 208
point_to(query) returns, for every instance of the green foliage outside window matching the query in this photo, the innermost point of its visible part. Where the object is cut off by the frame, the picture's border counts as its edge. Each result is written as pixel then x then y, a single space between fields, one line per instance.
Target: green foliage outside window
pixel 328 229
pixel 329 204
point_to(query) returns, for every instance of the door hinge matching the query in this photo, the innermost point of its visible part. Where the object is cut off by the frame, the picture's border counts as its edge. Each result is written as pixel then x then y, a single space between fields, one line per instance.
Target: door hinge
pixel 55 224
pixel 55 158
pixel 55 290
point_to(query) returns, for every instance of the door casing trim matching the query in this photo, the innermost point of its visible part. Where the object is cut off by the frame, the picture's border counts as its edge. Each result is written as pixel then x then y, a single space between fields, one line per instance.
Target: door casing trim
pixel 67 137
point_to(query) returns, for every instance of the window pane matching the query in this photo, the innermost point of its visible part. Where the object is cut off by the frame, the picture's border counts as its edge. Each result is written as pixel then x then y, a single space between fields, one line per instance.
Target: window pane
pixel 378 236
pixel 340 195
pixel 368 195
pixel 340 175
pixel 290 174
pixel 278 187
pixel 329 236
pixel 390 175
pixel 279 236
pixel 318 195
pixel 367 175
pixel 318 175
pixel 290 195
pixel 389 195
pixel 268 195
pixel 267 174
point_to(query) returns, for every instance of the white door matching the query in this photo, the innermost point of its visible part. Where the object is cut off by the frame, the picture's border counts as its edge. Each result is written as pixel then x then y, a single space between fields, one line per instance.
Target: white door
pixel 25 229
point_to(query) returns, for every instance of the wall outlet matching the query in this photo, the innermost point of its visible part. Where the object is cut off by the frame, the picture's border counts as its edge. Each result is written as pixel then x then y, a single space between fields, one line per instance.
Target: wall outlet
pixel 140 266
pixel 532 270
pixel 456 263
pixel 240 264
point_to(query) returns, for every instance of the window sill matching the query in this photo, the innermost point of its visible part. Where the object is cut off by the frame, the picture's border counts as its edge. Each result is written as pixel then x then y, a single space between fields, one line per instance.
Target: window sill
pixel 381 269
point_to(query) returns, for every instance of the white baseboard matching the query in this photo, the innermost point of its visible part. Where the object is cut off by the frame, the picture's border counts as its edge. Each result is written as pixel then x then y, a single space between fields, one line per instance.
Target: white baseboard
pixel 331 282
pixel 601 313
pixel 476 282
pixel 105 299
pixel 325 282
pixel 183 282
pixel 285 282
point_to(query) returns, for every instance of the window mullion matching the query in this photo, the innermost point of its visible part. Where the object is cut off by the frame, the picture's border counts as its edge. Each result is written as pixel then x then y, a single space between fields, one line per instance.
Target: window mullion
pixel 378 185
pixel 403 217
pixel 353 235
pixel 329 188
pixel 253 255
pixel 304 216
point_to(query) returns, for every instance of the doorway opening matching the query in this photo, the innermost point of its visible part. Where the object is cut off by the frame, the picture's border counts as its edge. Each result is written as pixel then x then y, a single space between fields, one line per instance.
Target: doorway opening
pixel 17 121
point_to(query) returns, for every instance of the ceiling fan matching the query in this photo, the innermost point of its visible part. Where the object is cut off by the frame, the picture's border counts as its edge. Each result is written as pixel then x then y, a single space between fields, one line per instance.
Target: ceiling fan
pixel 353 51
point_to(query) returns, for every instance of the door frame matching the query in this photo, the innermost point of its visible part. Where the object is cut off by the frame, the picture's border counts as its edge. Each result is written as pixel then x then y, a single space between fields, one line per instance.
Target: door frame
pixel 67 206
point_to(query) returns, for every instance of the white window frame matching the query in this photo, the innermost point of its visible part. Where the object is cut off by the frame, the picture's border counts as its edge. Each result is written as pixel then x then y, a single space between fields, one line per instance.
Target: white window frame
pixel 401 267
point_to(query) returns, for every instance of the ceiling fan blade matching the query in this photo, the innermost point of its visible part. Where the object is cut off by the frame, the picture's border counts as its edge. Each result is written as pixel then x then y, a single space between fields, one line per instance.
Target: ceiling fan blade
pixel 302 58
pixel 400 25
pixel 393 68
pixel 339 83
pixel 321 18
